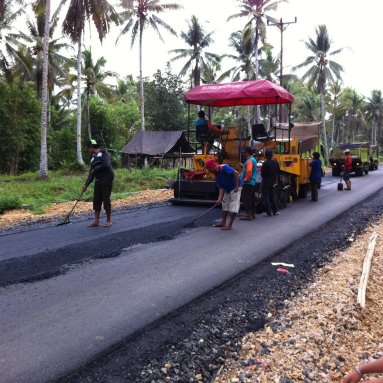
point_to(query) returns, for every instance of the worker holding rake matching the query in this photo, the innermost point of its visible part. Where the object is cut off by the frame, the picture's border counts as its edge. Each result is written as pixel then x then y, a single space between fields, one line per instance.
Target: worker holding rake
pixel 229 184
pixel 101 170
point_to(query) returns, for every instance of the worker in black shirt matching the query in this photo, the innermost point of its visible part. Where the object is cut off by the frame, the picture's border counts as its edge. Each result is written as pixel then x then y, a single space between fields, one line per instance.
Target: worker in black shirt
pixel 100 169
pixel 269 173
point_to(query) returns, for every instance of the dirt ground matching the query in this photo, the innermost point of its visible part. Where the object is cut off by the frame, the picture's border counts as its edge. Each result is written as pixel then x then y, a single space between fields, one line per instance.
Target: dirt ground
pixel 15 217
pixel 322 332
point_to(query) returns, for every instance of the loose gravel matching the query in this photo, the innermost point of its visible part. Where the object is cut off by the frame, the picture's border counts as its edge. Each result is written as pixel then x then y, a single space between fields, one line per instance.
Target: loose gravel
pixel 266 325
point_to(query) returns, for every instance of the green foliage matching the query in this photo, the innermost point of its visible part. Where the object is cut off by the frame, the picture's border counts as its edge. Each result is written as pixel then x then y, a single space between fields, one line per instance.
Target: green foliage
pixel 19 128
pixel 141 179
pixel 9 203
pixel 35 194
pixel 164 106
pixel 113 124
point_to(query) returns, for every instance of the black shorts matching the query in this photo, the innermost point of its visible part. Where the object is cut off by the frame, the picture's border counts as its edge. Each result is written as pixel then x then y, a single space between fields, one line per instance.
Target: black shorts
pixel 101 195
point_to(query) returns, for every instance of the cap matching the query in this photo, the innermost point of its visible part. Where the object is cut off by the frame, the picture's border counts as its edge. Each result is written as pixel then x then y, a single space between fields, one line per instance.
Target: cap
pixel 211 163
pixel 248 149
pixel 93 144
pixel 347 151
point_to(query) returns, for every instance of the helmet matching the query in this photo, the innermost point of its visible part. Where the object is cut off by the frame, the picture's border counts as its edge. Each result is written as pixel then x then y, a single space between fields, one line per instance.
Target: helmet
pixel 347 151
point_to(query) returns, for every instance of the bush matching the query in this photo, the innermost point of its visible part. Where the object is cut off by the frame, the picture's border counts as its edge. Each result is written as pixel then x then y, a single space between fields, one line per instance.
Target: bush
pixel 9 203
pixel 72 167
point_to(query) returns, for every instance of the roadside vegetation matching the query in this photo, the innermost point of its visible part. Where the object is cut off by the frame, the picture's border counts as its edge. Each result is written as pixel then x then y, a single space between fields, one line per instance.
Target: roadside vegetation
pixel 52 104
pixel 26 191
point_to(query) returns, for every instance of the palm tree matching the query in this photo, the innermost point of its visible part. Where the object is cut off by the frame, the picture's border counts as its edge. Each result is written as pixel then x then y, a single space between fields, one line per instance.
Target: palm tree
pixel 374 109
pixel 256 11
pixel 321 70
pixel 196 57
pixel 307 107
pixel 34 40
pixel 336 108
pixel 244 56
pixel 9 44
pixel 46 7
pixel 269 66
pixel 138 15
pixel 354 105
pixel 94 79
pixel 103 14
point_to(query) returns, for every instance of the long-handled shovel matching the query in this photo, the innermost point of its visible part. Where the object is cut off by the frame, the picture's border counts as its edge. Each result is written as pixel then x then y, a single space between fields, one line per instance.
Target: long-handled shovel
pixel 191 223
pixel 66 220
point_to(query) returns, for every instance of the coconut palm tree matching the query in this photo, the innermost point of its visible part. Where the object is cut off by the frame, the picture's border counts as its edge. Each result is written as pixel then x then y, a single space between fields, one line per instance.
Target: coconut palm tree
pixel 9 44
pixel 140 14
pixel 354 117
pixel 244 56
pixel 257 13
pixel 321 70
pixel 336 108
pixel 196 56
pixel 94 77
pixel 45 7
pixel 103 14
pixel 34 41
pixel 374 109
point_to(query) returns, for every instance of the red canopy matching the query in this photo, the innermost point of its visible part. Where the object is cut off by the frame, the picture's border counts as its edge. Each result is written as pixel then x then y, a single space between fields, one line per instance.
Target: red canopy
pixel 258 92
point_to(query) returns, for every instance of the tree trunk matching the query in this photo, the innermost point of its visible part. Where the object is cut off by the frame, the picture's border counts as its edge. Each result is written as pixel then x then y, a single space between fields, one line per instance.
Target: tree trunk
pixel 78 128
pixel 324 128
pixel 333 130
pixel 258 109
pixel 43 172
pixel 88 113
pixel 142 96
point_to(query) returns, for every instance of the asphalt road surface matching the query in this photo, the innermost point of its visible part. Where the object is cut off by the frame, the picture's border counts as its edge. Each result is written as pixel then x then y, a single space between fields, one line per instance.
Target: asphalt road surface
pixel 90 288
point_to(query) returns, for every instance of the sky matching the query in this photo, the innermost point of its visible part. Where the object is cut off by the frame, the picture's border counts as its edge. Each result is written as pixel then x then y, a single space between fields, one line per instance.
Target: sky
pixel 354 26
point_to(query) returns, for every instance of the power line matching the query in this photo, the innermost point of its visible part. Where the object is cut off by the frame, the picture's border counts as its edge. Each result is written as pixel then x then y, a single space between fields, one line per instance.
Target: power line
pixel 282 25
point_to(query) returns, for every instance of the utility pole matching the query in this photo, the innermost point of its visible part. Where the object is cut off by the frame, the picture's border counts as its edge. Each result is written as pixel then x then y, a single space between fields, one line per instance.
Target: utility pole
pixel 281 26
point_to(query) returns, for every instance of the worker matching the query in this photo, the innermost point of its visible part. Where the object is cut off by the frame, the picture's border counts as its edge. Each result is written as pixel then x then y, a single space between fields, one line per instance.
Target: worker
pixel 101 170
pixel 315 176
pixel 373 366
pixel 347 169
pixel 206 131
pixel 269 173
pixel 229 184
pixel 249 174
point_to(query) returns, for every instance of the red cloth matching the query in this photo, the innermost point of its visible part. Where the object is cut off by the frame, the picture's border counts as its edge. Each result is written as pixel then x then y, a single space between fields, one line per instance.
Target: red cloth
pixel 211 163
pixel 348 163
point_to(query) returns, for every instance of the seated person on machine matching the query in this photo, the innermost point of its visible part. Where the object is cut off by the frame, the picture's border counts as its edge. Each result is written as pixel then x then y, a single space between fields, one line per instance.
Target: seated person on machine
pixel 206 131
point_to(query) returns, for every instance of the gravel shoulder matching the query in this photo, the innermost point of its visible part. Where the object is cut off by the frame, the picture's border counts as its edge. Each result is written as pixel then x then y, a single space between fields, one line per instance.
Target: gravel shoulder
pixel 265 325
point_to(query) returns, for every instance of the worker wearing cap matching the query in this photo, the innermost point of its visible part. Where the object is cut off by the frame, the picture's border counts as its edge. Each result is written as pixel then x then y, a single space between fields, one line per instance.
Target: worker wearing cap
pixel 101 170
pixel 347 169
pixel 229 184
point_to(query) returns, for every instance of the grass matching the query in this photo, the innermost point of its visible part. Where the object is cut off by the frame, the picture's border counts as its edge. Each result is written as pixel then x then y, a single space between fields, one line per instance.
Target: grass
pixel 29 192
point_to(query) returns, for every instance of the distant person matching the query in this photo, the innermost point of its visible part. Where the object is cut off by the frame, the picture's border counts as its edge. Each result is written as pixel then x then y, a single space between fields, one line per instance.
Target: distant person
pixel 229 184
pixel 374 366
pixel 249 174
pixel 269 173
pixel 101 170
pixel 206 131
pixel 347 169
pixel 315 176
